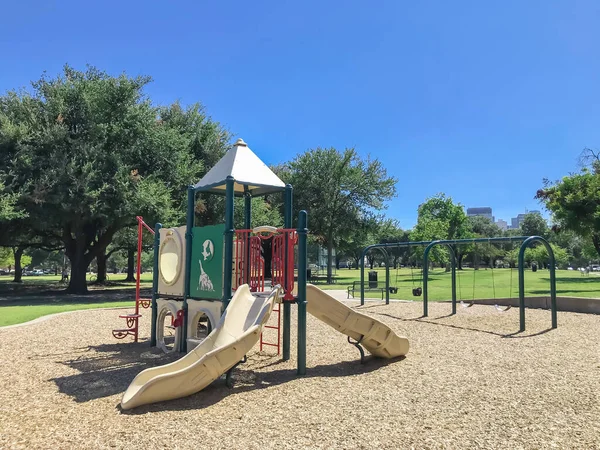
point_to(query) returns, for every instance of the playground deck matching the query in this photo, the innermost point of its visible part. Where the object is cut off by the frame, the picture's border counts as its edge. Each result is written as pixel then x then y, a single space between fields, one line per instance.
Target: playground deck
pixel 468 381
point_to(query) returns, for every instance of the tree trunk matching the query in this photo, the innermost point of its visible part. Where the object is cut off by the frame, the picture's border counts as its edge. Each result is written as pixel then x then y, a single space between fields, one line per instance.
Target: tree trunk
pixel 18 252
pixel 130 265
pixel 101 263
pixel 329 261
pixel 77 281
pixel 79 265
pixel 596 242
pixel 459 261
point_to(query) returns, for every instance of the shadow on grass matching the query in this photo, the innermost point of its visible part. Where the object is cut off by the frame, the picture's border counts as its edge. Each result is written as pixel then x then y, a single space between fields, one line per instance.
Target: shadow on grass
pixel 546 292
pixel 432 321
pixel 50 297
pixel 108 369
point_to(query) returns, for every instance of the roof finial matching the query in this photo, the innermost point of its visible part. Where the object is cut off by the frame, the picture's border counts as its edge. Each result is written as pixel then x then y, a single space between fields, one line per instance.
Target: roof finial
pixel 240 142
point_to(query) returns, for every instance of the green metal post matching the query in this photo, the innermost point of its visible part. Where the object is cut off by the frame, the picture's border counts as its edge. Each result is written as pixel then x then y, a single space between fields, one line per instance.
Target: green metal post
pixel 387 276
pixel 453 255
pixel 287 307
pixel 426 277
pixel 247 226
pixel 191 206
pixel 155 270
pixel 302 266
pixel 361 263
pixel 227 275
pixel 521 265
pixel 552 284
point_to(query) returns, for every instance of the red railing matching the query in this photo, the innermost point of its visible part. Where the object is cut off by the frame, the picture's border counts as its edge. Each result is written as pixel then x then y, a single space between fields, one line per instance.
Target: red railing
pixel 253 273
pixel 279 262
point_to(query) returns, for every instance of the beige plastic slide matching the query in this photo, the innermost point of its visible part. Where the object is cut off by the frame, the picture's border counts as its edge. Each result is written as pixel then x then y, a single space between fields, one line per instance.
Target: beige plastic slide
pixel 236 333
pixel 374 335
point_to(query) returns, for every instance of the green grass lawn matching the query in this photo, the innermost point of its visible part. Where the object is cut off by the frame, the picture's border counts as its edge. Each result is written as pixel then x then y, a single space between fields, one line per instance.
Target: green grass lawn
pixel 115 281
pixel 40 295
pixel 10 315
pixel 488 283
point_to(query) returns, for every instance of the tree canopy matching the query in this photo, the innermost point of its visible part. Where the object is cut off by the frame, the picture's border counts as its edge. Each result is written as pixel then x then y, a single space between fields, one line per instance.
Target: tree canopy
pixel 534 225
pixel 575 202
pixel 90 152
pixel 339 189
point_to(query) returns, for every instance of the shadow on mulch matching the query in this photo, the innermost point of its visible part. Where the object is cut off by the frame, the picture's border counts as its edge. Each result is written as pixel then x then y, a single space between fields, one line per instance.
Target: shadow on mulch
pixel 110 368
pixel 248 379
pixel 107 369
pixel 431 321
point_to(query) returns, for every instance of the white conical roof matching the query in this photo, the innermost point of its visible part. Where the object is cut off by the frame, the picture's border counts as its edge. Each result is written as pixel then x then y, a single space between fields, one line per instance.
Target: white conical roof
pixel 248 171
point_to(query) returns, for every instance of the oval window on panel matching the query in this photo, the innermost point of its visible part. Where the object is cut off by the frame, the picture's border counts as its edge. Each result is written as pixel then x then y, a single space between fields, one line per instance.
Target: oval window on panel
pixel 170 258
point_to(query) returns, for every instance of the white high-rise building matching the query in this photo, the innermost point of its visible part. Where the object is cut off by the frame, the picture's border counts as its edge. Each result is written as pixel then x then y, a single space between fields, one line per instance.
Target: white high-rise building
pixel 502 224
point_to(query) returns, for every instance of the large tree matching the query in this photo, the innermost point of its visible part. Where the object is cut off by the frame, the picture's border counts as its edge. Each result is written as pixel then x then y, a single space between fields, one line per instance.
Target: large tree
pixel 575 203
pixel 91 152
pixel 440 218
pixel 338 189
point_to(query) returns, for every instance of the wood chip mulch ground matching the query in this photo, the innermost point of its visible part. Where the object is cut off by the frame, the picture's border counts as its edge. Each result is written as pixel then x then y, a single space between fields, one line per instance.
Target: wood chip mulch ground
pixel 468 382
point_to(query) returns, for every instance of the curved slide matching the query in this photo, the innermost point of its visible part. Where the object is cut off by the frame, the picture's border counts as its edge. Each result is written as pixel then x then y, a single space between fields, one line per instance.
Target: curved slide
pixel 379 339
pixel 236 333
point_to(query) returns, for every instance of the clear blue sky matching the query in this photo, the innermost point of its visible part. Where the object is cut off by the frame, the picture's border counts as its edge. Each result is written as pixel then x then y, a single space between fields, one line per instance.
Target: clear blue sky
pixel 478 99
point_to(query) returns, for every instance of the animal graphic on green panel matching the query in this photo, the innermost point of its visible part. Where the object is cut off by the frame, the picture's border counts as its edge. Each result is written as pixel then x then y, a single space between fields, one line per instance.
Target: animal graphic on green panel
pixel 206 280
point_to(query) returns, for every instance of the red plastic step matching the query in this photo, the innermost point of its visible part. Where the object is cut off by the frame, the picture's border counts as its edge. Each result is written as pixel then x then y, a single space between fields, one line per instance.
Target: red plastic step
pixel 123 333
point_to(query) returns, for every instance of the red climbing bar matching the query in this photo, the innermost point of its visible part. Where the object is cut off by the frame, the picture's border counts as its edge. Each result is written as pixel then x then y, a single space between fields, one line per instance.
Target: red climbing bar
pixel 132 320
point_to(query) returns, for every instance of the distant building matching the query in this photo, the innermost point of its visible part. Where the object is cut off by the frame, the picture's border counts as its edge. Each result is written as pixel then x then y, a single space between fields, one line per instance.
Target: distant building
pixel 484 211
pixel 516 222
pixel 502 224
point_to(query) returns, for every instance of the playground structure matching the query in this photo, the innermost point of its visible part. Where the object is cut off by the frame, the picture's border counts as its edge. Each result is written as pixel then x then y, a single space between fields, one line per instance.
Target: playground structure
pixel 526 241
pixel 197 270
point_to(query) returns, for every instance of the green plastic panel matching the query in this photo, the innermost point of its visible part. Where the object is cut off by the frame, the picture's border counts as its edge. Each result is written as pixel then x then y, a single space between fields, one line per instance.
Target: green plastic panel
pixel 206 275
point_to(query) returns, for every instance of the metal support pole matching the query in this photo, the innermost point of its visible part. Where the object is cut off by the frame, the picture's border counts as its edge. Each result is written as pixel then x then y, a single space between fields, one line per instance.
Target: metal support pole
pixel 287 307
pixel 229 231
pixel 387 276
pixel 552 286
pixel 302 266
pixel 155 269
pixel 191 207
pixel 425 277
pixel 453 255
pixel 361 263
pixel 247 226
pixel 521 265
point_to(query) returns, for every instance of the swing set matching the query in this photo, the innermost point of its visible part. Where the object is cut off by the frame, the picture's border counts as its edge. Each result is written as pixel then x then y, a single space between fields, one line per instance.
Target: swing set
pixel 475 270
pixel 417 291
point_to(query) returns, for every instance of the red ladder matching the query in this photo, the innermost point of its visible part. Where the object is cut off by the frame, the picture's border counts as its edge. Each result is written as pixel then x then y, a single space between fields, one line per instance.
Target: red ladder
pixel 273 327
pixel 132 320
